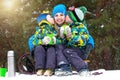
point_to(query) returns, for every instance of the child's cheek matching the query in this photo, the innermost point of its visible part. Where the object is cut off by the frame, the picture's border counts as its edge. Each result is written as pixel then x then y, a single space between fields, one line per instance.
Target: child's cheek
pixel 51 20
pixel 68 20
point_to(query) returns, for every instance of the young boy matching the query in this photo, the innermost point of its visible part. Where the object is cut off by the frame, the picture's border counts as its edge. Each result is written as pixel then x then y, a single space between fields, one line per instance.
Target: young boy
pixel 44 41
pixel 78 53
pixel 76 17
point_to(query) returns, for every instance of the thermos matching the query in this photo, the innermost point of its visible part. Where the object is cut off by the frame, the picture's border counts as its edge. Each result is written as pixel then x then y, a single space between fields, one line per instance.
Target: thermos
pixel 11 63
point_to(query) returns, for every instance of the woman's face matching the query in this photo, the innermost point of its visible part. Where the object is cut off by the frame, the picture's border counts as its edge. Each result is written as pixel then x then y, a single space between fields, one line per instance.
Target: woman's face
pixel 59 18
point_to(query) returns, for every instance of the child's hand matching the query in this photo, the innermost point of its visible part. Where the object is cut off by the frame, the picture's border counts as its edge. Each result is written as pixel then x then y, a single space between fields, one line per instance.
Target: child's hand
pixel 71 8
pixel 69 35
pixel 62 32
pixel 46 40
pixel 87 50
pixel 68 32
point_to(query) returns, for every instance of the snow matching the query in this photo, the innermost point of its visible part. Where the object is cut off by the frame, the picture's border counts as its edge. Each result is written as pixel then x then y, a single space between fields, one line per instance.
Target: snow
pixel 106 75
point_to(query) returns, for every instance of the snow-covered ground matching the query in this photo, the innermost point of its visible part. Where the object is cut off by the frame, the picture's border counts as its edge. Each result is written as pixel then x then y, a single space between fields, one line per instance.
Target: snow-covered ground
pixel 106 75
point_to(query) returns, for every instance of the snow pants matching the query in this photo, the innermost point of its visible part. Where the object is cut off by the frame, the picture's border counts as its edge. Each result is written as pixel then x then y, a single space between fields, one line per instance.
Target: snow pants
pixel 61 59
pixel 76 58
pixel 45 58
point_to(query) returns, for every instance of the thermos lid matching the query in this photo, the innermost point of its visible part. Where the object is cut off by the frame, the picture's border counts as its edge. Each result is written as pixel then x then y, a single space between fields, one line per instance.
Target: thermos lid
pixel 10 53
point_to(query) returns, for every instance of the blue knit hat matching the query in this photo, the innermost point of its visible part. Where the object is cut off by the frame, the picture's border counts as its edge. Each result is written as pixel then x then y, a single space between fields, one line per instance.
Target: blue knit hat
pixel 41 17
pixel 60 8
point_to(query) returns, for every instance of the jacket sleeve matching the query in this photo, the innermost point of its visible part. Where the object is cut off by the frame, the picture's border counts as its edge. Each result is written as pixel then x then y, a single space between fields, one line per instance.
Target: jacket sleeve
pixel 91 41
pixel 37 38
pixel 30 44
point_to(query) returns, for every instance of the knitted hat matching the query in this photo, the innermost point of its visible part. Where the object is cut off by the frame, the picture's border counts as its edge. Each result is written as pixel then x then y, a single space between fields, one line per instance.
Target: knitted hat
pixel 77 14
pixel 83 9
pixel 41 17
pixel 60 8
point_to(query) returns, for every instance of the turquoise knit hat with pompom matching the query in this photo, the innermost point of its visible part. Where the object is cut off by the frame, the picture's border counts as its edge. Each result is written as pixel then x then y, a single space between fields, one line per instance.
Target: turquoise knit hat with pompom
pixel 60 8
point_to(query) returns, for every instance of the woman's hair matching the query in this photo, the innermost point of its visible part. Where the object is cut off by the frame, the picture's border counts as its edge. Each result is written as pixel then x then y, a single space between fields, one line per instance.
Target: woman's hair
pixel 60 8
pixel 56 28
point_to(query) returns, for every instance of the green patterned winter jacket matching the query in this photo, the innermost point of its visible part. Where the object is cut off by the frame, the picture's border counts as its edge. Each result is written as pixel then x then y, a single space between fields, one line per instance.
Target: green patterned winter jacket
pixel 80 35
pixel 45 29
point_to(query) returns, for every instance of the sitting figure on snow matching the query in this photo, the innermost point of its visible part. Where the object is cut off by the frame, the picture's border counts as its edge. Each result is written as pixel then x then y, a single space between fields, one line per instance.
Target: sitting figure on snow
pixel 81 42
pixel 44 42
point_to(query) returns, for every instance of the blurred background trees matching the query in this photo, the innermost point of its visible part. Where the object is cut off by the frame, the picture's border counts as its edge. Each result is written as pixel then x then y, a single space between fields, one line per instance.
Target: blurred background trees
pixel 18 22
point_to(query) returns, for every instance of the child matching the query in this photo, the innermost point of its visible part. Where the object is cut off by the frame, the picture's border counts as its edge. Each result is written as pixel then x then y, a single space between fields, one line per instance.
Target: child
pixel 77 53
pixel 44 41
pixel 76 17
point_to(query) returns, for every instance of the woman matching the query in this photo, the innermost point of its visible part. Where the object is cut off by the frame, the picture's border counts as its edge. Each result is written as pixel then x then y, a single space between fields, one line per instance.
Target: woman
pixel 59 14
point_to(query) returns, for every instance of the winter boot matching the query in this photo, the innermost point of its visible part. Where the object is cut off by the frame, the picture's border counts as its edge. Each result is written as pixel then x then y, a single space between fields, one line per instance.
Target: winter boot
pixel 84 72
pixel 64 70
pixel 48 72
pixel 40 72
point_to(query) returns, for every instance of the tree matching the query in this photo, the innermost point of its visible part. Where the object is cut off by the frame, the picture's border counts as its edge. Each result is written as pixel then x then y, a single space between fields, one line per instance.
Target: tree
pixel 18 24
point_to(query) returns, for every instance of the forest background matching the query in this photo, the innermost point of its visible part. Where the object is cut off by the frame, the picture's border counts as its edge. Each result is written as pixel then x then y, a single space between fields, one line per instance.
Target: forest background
pixel 18 22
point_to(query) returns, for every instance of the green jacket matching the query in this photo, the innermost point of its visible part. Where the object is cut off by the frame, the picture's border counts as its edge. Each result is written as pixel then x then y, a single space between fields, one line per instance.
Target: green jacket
pixel 45 30
pixel 80 35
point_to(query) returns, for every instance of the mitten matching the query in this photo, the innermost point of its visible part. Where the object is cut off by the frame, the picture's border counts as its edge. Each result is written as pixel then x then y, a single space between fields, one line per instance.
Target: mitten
pixel 62 32
pixel 68 32
pixel 46 40
pixel 88 49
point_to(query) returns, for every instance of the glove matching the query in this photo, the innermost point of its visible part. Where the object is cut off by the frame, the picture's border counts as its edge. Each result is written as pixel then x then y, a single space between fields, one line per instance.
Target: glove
pixel 87 50
pixel 68 32
pixel 62 32
pixel 46 40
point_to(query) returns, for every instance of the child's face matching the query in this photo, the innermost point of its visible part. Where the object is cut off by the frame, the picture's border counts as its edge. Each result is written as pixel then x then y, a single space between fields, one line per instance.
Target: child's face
pixel 59 18
pixel 68 19
pixel 50 19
